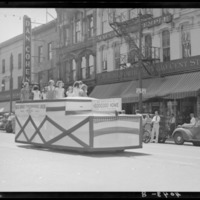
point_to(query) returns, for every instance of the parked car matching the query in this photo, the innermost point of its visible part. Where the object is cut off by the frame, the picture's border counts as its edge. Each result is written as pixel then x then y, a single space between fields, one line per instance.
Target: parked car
pixel 10 124
pixel 187 134
pixel 3 120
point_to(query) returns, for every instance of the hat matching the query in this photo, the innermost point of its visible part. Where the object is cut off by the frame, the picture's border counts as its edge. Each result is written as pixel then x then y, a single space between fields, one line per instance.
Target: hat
pixel 51 81
pixel 25 83
pixel 58 82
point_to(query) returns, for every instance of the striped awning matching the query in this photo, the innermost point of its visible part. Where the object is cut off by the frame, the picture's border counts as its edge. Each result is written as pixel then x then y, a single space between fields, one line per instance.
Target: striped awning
pixel 169 87
pixel 188 85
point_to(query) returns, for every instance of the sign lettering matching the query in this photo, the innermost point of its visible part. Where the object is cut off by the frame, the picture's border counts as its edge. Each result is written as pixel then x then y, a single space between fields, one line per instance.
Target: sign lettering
pixel 27 49
pixel 157 21
pixel 114 104
pixel 35 110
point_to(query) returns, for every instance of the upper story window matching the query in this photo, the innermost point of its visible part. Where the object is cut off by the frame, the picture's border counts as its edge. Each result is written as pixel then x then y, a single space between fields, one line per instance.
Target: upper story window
pixel 40 54
pixel 74 70
pixel 66 36
pixel 104 20
pixel 104 53
pixel 19 82
pixel 116 51
pixel 90 26
pixel 50 51
pixel 166 45
pixel 83 68
pixel 78 31
pixel 148 47
pixel 132 56
pixel 19 61
pixel 3 85
pixel 91 67
pixel 3 66
pixel 185 41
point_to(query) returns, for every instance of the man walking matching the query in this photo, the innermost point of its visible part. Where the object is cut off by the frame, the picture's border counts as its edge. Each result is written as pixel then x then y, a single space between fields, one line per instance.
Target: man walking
pixel 155 121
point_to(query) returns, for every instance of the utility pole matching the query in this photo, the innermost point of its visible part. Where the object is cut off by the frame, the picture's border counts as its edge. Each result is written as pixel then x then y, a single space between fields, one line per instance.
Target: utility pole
pixel 140 62
pixel 11 82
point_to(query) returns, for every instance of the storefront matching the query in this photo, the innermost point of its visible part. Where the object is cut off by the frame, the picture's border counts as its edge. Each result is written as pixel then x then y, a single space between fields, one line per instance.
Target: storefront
pixel 169 94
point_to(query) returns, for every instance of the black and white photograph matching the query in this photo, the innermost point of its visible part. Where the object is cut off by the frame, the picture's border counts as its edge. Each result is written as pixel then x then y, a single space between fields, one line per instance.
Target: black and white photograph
pixel 100 99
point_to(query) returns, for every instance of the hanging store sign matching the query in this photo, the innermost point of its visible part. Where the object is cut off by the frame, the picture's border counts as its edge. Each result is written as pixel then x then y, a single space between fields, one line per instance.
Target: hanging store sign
pixel 157 21
pixel 112 104
pixel 141 90
pixel 27 49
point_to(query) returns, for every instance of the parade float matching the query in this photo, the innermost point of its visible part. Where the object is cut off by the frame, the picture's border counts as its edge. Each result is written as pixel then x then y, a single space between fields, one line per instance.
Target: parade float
pixel 77 123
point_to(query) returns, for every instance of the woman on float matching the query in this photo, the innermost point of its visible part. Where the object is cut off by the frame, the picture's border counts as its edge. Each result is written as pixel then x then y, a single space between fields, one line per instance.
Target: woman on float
pixel 60 91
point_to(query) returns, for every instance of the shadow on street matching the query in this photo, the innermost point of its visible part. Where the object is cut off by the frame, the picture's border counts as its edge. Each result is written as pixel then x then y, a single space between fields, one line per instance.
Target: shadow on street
pixel 88 154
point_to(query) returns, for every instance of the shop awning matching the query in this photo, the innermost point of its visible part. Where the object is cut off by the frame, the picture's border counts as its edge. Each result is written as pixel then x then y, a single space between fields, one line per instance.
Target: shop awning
pixel 110 90
pixel 187 86
pixel 5 106
pixel 126 90
pixel 169 87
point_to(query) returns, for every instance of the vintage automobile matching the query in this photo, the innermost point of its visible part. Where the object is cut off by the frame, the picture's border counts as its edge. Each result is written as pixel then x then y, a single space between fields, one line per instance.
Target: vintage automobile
pixel 3 121
pixel 10 124
pixel 187 134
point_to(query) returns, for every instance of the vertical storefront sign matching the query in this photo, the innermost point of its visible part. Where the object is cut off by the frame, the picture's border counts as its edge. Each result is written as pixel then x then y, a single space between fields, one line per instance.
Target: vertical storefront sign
pixel 27 49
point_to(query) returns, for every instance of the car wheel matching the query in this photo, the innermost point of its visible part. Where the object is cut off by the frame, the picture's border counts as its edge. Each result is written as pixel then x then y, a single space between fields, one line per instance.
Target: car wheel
pixel 196 143
pixel 146 136
pixel 9 128
pixel 178 138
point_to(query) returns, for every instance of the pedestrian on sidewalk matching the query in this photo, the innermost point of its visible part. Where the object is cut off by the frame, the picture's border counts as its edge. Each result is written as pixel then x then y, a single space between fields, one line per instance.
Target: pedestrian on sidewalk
pixel 155 121
pixel 172 123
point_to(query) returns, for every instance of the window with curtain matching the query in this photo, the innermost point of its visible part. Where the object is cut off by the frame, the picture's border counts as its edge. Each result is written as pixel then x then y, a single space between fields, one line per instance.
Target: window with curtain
pixel 104 58
pixel 83 68
pixel 78 30
pixel 66 36
pixel 116 51
pixel 148 47
pixel 185 41
pixel 166 45
pixel 91 67
pixel 90 26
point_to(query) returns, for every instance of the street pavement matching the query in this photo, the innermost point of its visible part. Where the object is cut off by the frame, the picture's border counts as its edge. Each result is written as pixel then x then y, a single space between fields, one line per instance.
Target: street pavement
pixel 155 167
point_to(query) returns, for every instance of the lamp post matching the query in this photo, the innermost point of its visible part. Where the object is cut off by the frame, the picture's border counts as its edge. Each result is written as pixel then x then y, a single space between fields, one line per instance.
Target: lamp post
pixel 140 62
pixel 11 82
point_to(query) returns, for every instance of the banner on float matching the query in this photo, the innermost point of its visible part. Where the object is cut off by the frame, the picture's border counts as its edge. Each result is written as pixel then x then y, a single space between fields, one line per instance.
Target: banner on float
pixel 34 110
pixel 114 104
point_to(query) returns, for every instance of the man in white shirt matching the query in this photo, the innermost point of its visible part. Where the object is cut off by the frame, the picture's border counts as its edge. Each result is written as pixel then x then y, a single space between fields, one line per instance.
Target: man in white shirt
pixel 156 126
pixel 192 121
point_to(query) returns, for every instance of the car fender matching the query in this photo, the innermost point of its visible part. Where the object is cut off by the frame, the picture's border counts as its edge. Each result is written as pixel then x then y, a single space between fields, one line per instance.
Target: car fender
pixel 187 135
